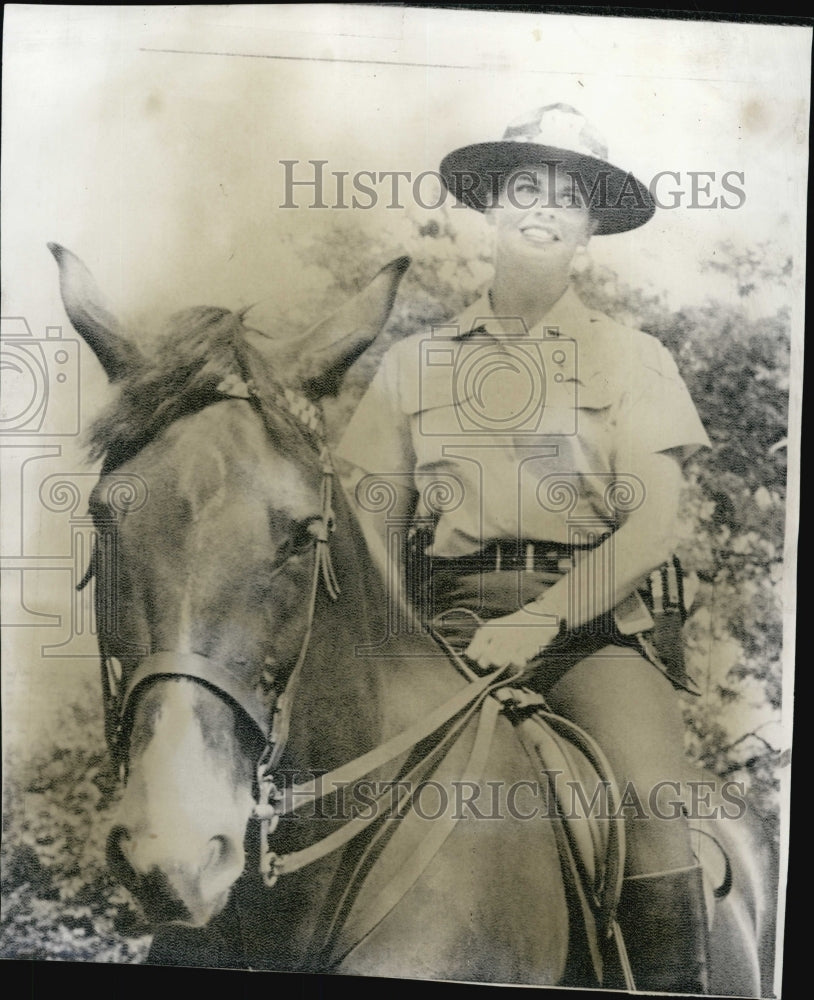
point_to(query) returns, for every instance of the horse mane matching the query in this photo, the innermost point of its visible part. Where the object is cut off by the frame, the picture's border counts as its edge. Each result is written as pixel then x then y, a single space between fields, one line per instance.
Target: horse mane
pixel 197 350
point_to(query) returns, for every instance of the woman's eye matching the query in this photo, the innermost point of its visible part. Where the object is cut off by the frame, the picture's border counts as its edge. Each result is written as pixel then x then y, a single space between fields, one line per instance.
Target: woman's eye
pixel 570 199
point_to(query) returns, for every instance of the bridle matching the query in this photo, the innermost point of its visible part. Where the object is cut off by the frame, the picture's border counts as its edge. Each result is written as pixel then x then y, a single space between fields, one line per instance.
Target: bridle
pixel 272 802
pixel 437 730
pixel 118 694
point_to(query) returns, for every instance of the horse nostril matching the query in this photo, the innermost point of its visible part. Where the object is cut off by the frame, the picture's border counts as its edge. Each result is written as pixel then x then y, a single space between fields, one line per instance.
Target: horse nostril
pixel 219 853
pixel 222 864
pixel 116 859
pixel 159 901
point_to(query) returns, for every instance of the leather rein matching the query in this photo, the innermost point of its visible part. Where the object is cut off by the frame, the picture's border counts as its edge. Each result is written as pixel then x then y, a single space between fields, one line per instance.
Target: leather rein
pixel 444 724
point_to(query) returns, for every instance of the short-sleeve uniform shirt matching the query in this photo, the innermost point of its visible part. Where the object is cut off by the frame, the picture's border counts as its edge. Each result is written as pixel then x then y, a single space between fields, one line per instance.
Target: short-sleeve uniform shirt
pixel 508 433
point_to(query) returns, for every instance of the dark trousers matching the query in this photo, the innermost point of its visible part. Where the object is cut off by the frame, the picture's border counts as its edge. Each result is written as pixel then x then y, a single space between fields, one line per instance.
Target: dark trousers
pixel 455 604
pixel 597 681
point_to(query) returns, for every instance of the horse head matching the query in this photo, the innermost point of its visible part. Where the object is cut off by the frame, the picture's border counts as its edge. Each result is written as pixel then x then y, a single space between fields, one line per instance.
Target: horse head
pixel 202 586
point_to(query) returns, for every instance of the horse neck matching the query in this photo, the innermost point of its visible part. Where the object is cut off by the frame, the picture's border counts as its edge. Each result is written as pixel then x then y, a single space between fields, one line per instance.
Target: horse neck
pixel 361 683
pixel 349 699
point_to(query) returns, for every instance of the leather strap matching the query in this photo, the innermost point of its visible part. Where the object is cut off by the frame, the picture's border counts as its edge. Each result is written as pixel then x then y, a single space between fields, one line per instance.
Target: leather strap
pixel 611 883
pixel 197 668
pixel 116 698
pixel 369 913
pixel 323 569
pixel 394 821
pixel 383 805
pixel 568 860
pixel 296 796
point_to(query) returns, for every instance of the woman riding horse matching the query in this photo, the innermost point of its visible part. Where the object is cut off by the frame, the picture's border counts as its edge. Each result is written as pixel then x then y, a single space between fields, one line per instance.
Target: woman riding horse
pixel 526 399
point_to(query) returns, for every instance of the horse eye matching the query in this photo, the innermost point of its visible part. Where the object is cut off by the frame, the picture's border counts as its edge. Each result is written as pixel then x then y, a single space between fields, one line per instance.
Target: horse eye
pixel 303 534
pixel 300 537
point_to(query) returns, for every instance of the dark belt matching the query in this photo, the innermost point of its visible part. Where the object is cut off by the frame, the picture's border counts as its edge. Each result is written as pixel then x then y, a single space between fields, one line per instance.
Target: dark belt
pixel 533 557
pixel 661 644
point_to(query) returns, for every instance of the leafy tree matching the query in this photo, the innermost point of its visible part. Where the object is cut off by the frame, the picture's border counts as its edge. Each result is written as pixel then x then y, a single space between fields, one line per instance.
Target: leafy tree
pixel 736 366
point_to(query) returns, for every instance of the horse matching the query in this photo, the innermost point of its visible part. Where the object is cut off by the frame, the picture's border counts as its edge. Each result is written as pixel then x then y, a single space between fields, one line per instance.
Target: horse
pixel 285 752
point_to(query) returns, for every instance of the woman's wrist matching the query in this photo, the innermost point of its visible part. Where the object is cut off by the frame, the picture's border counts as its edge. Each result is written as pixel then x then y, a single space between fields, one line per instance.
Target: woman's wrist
pixel 542 605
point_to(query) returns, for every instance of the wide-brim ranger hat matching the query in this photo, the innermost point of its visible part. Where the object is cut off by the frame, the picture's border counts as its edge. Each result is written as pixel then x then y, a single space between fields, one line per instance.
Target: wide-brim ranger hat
pixel 558 137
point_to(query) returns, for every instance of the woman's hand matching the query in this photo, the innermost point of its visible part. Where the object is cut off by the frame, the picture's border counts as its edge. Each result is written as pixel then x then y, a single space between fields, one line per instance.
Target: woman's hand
pixel 510 641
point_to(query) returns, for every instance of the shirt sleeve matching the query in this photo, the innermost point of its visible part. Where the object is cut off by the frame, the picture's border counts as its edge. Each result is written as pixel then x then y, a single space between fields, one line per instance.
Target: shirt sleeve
pixel 657 412
pixel 378 437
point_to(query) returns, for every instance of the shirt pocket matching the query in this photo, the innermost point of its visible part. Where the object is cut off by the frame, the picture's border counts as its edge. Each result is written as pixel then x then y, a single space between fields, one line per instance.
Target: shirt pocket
pixel 595 423
pixel 433 405
pixel 594 394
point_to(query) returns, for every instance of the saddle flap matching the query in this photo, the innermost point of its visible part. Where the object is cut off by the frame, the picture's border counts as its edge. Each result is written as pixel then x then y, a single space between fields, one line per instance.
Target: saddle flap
pixel 577 797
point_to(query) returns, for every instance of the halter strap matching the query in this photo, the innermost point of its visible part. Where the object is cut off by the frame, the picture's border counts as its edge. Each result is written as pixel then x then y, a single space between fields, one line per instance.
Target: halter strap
pixel 198 668
pixel 284 398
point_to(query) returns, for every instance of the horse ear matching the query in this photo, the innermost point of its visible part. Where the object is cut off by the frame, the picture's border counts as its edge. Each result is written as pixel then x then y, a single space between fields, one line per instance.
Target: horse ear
pixel 91 320
pixel 318 361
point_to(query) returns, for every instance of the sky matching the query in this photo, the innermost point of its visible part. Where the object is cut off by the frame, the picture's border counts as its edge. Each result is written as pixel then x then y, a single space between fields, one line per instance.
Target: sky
pixel 150 141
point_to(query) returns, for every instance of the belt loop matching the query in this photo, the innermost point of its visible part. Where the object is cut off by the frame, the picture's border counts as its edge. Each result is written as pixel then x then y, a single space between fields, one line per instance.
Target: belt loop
pixel 672 584
pixel 498 556
pixel 530 557
pixel 657 591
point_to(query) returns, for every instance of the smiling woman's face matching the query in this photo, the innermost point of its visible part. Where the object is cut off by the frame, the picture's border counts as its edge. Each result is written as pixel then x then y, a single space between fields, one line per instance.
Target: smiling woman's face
pixel 535 218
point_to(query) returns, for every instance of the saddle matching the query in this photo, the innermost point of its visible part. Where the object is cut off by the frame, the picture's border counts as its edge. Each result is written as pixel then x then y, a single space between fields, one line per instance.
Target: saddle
pixel 589 844
pixel 588 830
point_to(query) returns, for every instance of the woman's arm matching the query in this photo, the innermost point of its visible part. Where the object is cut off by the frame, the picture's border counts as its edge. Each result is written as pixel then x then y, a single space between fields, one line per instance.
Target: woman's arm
pixel 642 543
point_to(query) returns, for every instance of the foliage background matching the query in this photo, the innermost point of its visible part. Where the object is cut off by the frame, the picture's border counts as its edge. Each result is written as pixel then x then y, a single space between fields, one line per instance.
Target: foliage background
pixel 733 352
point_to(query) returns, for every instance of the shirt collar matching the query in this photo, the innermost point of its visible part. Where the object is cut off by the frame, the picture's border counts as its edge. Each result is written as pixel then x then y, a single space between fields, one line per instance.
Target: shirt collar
pixel 569 315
